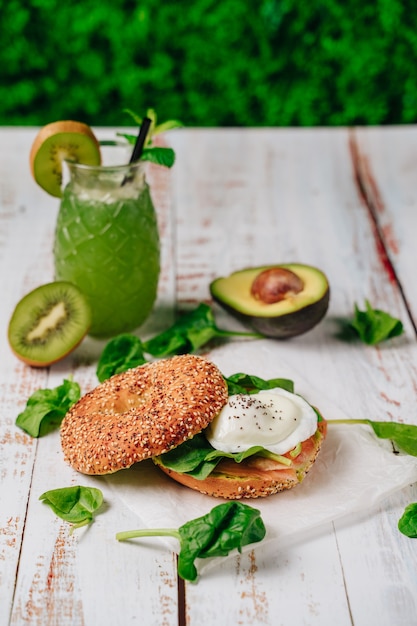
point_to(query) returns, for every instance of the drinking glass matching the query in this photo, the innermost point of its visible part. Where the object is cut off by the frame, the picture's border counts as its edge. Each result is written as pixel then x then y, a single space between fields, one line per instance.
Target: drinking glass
pixel 107 243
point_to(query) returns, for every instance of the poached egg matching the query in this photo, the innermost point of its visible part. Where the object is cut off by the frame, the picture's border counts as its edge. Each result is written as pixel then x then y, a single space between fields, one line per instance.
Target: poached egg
pixel 275 419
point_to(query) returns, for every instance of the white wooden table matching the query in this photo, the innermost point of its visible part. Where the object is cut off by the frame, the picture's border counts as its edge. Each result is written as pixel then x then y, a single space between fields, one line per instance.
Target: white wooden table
pixel 344 200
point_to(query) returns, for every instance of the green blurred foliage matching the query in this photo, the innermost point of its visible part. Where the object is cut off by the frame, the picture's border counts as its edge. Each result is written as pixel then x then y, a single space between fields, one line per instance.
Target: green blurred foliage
pixel 209 62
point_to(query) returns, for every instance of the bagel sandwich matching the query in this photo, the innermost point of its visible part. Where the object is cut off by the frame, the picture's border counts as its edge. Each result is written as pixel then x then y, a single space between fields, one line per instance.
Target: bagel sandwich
pixel 258 445
pixel 178 412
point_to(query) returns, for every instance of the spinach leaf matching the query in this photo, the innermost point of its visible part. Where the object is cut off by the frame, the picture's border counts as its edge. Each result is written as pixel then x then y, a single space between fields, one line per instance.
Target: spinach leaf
pixel 197 457
pixel 46 408
pixel 407 524
pixel 192 331
pixel 120 354
pixel 75 505
pixel 191 457
pixel 403 435
pixel 226 527
pixel 374 325
pixel 247 383
pixel 238 457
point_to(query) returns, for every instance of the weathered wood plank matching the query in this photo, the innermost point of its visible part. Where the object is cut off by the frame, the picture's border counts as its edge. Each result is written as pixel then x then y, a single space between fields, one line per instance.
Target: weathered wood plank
pixel 234 198
pixel 388 163
pixel 281 196
pixel 46 575
pixel 388 195
pixel 24 259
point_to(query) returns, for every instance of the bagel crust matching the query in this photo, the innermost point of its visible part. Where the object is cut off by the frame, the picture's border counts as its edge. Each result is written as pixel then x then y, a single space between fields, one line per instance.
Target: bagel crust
pixel 254 477
pixel 142 413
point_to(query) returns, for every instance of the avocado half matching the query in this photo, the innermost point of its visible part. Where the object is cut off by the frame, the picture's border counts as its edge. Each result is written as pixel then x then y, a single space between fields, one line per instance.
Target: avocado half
pixel 277 301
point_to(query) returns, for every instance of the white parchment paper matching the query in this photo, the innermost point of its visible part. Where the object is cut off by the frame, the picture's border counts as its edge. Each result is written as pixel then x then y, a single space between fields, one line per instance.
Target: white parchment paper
pixel 353 472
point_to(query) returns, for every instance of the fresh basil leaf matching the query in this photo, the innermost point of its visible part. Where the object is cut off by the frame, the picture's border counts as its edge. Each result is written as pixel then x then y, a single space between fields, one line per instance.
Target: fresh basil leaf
pixel 75 505
pixel 407 524
pixel 120 354
pixel 226 527
pixel 246 383
pixel 159 155
pixel 46 408
pixel 374 325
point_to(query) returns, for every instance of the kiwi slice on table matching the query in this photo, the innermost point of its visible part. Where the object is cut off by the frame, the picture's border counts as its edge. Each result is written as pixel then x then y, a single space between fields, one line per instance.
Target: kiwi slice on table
pixel 48 323
pixel 59 141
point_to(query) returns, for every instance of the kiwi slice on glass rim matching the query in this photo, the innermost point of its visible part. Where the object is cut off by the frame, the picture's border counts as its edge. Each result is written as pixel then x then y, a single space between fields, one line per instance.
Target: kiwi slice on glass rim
pixel 59 141
pixel 48 323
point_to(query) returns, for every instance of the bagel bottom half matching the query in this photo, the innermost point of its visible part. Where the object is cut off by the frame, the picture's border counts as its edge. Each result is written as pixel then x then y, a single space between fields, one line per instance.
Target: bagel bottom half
pixel 254 477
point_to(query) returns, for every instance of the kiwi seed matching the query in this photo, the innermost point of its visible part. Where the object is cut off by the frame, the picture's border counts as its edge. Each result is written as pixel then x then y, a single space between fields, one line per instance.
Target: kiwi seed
pixel 48 323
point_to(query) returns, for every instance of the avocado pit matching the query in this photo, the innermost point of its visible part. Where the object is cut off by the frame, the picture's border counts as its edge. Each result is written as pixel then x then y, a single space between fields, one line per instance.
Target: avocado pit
pixel 276 284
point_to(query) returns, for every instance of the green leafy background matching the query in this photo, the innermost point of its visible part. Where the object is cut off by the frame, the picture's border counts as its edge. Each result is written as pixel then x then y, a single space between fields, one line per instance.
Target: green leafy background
pixel 209 62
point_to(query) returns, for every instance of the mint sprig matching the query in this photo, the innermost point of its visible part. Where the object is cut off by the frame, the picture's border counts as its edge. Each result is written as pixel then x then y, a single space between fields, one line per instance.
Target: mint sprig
pixel 154 154
pixel 159 155
pixel 155 128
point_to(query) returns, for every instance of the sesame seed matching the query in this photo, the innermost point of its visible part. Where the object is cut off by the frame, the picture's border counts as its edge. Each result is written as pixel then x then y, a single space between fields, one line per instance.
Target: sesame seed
pixel 142 413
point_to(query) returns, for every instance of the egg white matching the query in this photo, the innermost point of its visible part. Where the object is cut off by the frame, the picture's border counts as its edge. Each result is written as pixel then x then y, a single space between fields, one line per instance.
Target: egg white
pixel 275 419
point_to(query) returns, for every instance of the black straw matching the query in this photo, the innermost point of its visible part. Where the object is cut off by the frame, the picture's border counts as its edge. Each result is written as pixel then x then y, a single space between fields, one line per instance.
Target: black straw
pixel 140 140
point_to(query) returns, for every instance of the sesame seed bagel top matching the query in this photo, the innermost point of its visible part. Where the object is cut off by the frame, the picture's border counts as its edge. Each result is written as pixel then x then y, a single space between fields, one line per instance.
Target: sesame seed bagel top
pixel 142 413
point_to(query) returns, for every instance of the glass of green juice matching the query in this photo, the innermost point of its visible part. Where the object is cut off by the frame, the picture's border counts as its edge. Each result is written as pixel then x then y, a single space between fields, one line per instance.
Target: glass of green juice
pixel 107 243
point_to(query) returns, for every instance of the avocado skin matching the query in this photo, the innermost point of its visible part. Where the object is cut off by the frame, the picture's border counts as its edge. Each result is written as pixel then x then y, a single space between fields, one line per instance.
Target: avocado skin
pixel 292 324
pixel 282 326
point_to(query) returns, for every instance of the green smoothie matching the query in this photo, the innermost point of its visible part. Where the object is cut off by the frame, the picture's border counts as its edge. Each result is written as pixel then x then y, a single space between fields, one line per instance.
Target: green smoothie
pixel 107 243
